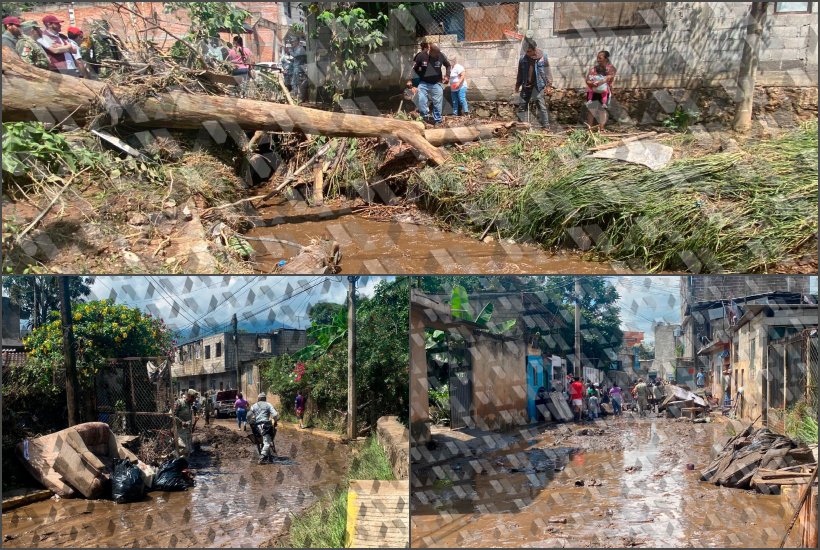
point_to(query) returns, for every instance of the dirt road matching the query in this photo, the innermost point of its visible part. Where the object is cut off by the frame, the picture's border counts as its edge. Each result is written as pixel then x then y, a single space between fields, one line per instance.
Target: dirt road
pixel 625 486
pixel 236 503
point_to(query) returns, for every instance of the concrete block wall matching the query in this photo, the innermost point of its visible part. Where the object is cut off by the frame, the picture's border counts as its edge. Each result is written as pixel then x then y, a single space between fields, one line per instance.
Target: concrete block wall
pixel 499 382
pixel 724 287
pixel 700 45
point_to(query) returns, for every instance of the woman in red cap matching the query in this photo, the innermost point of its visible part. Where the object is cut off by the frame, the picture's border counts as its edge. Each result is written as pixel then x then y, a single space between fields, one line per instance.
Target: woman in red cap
pixel 58 48
pixel 12 32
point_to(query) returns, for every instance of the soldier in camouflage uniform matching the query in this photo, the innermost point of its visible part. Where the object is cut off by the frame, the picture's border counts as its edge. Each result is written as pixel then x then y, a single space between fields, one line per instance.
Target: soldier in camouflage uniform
pixel 98 46
pixel 28 48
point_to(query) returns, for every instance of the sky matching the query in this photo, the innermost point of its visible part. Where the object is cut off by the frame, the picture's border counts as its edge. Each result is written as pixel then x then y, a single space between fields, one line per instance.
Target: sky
pixel 260 303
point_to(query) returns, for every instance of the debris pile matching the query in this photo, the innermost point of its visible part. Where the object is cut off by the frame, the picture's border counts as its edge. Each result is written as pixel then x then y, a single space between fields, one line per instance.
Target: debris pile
pixel 761 460
pixel 682 403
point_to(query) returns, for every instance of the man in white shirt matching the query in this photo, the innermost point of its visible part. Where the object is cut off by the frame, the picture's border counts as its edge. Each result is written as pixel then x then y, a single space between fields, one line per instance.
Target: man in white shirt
pixel 264 419
pixel 59 49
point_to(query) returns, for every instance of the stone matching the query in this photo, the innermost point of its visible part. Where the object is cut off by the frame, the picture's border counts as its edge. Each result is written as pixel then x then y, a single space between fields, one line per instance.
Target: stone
pixel 137 218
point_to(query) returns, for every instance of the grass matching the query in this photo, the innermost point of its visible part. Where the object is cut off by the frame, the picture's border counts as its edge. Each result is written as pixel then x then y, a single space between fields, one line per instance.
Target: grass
pixel 801 423
pixel 323 525
pixel 747 211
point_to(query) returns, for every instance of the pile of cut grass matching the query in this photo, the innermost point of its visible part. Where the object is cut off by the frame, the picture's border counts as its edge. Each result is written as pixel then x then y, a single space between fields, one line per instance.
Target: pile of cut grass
pixel 745 211
pixel 323 525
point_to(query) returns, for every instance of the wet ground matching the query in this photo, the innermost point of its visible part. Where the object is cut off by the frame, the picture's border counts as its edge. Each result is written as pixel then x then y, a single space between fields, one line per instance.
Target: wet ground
pixel 625 486
pixel 235 503
pixel 408 243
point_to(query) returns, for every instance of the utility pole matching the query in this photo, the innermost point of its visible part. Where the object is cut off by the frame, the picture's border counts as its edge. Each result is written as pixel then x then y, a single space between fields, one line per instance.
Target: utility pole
pixel 577 294
pixel 351 357
pixel 72 386
pixel 234 330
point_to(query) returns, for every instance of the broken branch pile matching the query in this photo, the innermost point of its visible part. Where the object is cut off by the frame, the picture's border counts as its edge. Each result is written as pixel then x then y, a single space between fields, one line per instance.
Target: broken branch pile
pixel 739 212
pixel 761 460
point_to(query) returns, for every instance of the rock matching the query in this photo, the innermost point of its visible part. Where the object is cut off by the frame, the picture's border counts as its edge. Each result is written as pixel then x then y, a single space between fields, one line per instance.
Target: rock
pixel 187 214
pixel 579 482
pixel 489 239
pixel 137 218
pixel 131 259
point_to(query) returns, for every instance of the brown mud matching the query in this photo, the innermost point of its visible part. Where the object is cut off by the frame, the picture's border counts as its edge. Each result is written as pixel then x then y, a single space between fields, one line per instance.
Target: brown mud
pixel 408 243
pixel 566 489
pixel 235 503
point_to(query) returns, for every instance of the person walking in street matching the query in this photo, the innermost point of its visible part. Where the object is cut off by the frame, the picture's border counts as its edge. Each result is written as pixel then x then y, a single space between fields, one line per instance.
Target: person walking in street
pixel 658 395
pixel 700 379
pixel 11 31
pixel 534 81
pixel 599 81
pixel 241 406
pixel 265 419
pixel 458 88
pixel 183 412
pixel 29 49
pixel 209 408
pixel 642 395
pixel 433 70
pixel 594 410
pixel 617 399
pixel 576 394
pixel 300 408
pixel 59 50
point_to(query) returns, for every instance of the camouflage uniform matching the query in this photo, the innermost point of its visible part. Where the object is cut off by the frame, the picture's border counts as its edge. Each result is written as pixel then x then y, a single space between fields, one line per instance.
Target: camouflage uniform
pixel 98 46
pixel 32 52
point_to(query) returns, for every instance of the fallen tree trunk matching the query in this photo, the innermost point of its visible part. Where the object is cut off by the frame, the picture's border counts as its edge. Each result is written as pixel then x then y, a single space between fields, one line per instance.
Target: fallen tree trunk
pixel 466 134
pixel 30 93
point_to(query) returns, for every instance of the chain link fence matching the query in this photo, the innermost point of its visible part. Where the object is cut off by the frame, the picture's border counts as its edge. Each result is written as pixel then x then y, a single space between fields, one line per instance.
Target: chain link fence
pixel 468 21
pixel 134 396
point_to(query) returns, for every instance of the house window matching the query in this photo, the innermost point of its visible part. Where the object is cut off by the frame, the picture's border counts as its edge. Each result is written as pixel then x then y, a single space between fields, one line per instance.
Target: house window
pixel 571 17
pixel 792 7
pixel 219 349
pixel 207 352
pixel 196 352
pixel 250 376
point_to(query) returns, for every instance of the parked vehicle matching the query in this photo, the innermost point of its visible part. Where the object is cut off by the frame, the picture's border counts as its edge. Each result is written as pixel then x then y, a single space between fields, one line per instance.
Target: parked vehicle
pixel 223 403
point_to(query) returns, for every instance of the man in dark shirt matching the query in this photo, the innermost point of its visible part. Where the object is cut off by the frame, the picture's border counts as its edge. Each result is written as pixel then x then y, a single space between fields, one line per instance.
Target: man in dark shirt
pixel 535 81
pixel 433 69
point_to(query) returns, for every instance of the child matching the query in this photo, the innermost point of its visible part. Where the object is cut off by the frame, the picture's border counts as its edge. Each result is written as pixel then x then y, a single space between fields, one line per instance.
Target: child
pixel 593 406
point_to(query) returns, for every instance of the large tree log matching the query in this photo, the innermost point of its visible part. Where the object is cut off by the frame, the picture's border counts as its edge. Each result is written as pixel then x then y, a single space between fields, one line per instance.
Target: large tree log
pixel 466 134
pixel 30 93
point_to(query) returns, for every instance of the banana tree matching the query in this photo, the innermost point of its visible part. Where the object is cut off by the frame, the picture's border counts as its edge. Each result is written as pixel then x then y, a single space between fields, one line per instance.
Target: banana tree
pixel 460 308
pixel 324 336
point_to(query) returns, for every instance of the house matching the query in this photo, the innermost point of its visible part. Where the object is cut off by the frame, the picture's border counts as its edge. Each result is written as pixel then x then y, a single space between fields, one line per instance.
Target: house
pixel 666 53
pixel 666 346
pixel 770 358
pixel 216 362
pixel 13 350
pixel 488 387
pixel 706 309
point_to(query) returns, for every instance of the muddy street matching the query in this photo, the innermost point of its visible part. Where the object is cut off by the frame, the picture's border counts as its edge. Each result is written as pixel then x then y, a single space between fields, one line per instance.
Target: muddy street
pixel 235 503
pixel 614 483
pixel 407 243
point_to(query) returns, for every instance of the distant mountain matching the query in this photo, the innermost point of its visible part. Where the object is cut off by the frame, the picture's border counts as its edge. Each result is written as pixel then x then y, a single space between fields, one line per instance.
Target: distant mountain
pixel 191 334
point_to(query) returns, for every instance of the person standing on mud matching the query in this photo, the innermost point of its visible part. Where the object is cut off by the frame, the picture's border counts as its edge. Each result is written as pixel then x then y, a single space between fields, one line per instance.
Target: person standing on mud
pixel 209 408
pixel 241 406
pixel 658 395
pixel 576 394
pixel 617 399
pixel 184 416
pixel 700 379
pixel 534 80
pixel 300 408
pixel 599 81
pixel 642 394
pixel 433 69
pixel 264 418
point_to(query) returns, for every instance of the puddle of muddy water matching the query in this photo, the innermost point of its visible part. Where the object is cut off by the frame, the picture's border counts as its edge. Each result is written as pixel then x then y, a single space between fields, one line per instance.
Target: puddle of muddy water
pixel 235 503
pixel 642 495
pixel 372 246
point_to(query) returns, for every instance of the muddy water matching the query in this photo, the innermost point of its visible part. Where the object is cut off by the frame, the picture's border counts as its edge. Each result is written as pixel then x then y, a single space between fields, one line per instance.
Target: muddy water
pixel 640 496
pixel 236 503
pixel 372 246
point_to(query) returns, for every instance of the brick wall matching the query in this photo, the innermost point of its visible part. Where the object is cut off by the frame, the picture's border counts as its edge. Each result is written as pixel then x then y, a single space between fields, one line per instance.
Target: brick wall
pixel 700 45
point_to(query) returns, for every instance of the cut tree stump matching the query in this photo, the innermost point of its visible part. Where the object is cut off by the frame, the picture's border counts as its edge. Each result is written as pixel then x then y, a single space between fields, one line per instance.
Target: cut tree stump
pixel 31 94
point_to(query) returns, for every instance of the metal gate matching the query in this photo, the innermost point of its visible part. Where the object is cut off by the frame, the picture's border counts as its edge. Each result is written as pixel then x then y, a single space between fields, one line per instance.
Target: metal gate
pixel 791 376
pixel 461 396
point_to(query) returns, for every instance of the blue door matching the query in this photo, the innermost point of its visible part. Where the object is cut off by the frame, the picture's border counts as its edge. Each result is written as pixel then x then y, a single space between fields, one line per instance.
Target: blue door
pixel 535 380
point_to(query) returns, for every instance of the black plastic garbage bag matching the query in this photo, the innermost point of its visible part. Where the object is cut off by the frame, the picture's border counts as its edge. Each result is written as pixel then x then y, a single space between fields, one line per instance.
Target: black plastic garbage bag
pixel 170 477
pixel 127 483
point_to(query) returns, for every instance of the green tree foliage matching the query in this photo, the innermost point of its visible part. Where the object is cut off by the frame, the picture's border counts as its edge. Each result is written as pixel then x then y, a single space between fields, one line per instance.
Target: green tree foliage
pixel 208 19
pixel 382 358
pixel 21 291
pixel 348 31
pixel 102 330
pixel 322 313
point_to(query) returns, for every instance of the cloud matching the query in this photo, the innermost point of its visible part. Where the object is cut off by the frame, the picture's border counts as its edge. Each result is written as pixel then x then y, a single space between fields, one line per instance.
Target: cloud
pixel 646 300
